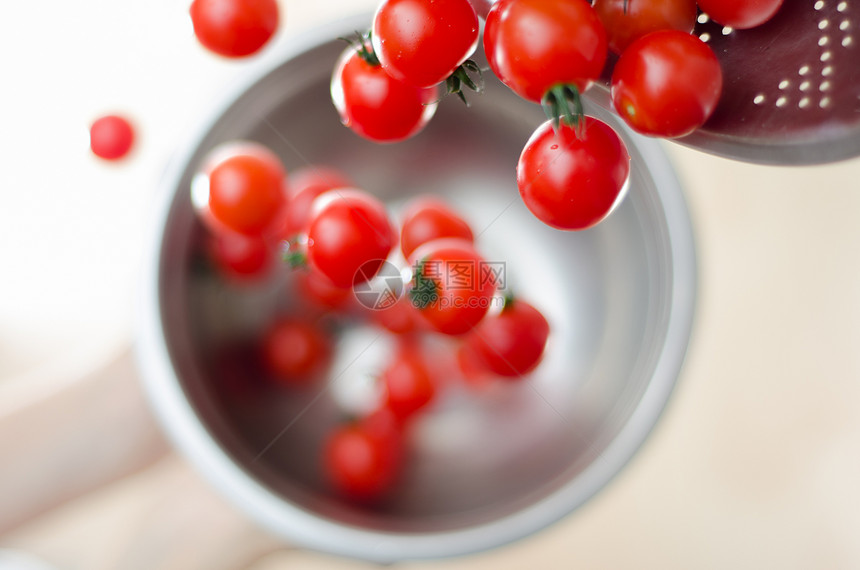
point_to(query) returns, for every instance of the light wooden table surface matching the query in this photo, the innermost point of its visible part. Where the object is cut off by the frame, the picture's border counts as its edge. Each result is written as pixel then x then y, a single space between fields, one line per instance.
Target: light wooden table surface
pixel 754 465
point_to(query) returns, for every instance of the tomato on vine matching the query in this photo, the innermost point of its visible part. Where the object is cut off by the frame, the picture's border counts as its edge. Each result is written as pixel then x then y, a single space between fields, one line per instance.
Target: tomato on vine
pixel 572 179
pixel 666 84
pixel 547 51
pixel 234 28
pixel 424 42
pixel 375 105
pixel 451 286
pixel 349 230
pixel 426 218
pixel 629 20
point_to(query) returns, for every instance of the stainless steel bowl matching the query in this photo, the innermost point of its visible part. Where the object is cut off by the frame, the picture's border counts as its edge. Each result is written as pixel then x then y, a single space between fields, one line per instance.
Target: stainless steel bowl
pixel 485 469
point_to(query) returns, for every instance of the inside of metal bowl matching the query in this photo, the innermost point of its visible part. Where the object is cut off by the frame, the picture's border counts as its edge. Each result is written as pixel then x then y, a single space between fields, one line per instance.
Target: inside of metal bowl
pixel 476 457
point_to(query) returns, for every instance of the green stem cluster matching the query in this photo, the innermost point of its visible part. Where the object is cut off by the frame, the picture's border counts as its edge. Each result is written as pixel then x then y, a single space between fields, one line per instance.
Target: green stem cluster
pixel 564 102
pixel 462 77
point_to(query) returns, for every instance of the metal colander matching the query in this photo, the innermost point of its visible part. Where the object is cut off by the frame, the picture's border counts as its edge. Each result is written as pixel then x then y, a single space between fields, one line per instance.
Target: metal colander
pixel 791 90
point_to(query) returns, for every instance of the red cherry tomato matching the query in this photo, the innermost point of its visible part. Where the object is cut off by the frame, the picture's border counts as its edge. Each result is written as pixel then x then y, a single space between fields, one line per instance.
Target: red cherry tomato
pixel 400 318
pixel 349 231
pixel 572 181
pixel 240 257
pixel 111 137
pixel 511 344
pixel 426 218
pixel 422 42
pixel 740 14
pixel 472 369
pixel 305 184
pixel 629 20
pixel 234 28
pixel 451 286
pixel 315 287
pixel 666 84
pixel 535 45
pixel 295 350
pixel 377 106
pixel 363 460
pixel 246 189
pixel 409 386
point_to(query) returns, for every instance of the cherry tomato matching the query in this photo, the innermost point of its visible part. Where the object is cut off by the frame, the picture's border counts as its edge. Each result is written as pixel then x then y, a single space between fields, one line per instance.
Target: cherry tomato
pixel 536 45
pixel 305 184
pixel 363 460
pixel 426 218
pixel 400 318
pixel 666 84
pixel 472 369
pixel 245 189
pixel 629 20
pixel 234 28
pixel 409 386
pixel 511 344
pixel 295 350
pixel 240 257
pixel 315 287
pixel 740 14
pixel 349 231
pixel 423 42
pixel 451 285
pixel 570 180
pixel 377 106
pixel 111 137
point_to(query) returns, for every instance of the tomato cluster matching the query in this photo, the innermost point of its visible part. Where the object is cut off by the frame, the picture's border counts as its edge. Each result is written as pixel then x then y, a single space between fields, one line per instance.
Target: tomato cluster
pixel 386 86
pixel 336 238
pixel 666 82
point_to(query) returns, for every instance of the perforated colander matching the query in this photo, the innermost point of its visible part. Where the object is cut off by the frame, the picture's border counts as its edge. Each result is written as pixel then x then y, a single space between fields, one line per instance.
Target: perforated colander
pixel 791 91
